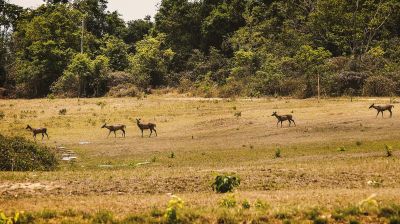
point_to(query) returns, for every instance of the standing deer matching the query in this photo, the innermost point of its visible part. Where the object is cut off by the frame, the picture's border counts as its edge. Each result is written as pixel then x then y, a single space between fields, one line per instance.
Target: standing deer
pixel 283 118
pixel 36 131
pixel 150 126
pixel 380 109
pixel 115 128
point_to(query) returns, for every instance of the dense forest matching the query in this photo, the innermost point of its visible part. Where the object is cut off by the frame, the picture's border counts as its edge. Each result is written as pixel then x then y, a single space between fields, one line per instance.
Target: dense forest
pixel 205 47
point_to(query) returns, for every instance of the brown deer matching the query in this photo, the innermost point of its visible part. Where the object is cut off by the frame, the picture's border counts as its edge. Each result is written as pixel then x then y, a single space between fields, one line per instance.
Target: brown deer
pixel 36 131
pixel 380 109
pixel 150 126
pixel 283 118
pixel 115 128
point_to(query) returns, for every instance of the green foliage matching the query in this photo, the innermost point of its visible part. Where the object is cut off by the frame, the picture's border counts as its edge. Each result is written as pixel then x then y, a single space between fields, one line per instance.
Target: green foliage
pixel 150 63
pixel 246 204
pixel 9 220
pixel 225 183
pixel 379 86
pixel 389 151
pixel 278 153
pixel 19 154
pixel 174 206
pixel 2 115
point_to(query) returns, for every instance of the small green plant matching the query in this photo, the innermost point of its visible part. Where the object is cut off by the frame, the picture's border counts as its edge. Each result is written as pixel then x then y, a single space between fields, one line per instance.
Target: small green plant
pixel 172 155
pixel 353 221
pixel 228 201
pixel 2 115
pixel 278 153
pixel 174 205
pixel 154 159
pixel 341 149
pixel 9 220
pixel 246 204
pixel 225 183
pixel 358 143
pixel 389 151
pixel 62 111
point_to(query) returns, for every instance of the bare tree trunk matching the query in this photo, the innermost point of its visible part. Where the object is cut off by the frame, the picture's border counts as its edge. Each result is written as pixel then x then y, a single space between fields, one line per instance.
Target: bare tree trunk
pixel 319 88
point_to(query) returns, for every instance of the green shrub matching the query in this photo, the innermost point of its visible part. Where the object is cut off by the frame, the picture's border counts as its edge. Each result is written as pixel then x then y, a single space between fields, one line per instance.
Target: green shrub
pixel 388 150
pixel 2 115
pixel 174 205
pixel 379 86
pixel 20 154
pixel 225 183
pixel 6 220
pixel 246 204
pixel 278 153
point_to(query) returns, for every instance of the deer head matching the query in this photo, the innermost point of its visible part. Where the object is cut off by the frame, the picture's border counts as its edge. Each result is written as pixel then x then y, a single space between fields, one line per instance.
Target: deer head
pixel 28 127
pixel 372 106
pixel 138 120
pixel 274 114
pixel 104 125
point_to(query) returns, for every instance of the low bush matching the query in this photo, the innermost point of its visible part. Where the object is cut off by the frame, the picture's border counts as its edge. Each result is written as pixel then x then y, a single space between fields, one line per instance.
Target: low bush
pixel 20 154
pixel 225 183
pixel 124 90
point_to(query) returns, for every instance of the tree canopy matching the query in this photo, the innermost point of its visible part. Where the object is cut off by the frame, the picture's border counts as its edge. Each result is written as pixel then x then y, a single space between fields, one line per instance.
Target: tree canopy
pixel 208 47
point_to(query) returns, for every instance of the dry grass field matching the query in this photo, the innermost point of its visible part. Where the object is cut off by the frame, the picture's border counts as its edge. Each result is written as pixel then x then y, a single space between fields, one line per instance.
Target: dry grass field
pixel 135 175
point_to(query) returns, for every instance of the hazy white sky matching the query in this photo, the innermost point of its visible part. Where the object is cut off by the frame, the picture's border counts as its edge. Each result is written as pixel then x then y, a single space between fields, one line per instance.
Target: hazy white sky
pixel 129 9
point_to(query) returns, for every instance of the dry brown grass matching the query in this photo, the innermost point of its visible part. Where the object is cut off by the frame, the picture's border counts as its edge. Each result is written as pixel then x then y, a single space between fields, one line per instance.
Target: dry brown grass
pixel 205 137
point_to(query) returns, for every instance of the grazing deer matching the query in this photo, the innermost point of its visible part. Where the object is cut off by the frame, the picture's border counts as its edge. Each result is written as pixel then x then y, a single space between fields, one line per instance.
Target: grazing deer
pixel 150 126
pixel 36 131
pixel 380 109
pixel 283 118
pixel 115 128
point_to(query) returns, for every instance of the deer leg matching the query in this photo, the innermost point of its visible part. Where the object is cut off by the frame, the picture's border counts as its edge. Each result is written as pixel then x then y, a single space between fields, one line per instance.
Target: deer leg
pixel 277 124
pixel 42 136
pixel 123 133
pixel 115 134
pixel 34 136
pixel 377 114
pixel 155 132
pixel 382 113
pixel 46 135
pixel 290 122
pixel 108 134
pixel 142 133
pixel 294 123
pixel 151 132
pixel 390 113
pixel 281 124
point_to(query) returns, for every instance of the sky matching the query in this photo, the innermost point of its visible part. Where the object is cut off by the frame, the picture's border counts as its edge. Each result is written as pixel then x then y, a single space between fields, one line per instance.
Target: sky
pixel 129 9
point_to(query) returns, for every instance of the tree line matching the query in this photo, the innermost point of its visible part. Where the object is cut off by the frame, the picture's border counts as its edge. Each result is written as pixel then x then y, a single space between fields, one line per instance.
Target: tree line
pixel 205 47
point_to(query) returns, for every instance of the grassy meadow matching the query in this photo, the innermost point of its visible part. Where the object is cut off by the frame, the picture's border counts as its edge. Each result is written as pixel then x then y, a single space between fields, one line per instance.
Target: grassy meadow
pixel 328 164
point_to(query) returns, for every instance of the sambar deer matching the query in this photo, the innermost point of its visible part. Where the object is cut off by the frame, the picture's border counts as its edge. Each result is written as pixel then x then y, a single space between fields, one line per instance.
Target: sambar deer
pixel 150 126
pixel 282 118
pixel 115 128
pixel 36 131
pixel 383 108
